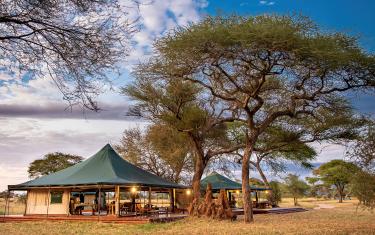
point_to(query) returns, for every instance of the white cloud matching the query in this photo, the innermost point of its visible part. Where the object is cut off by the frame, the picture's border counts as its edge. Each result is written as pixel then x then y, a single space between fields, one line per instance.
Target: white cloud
pixel 27 130
pixel 25 139
pixel 267 3
pixel 158 18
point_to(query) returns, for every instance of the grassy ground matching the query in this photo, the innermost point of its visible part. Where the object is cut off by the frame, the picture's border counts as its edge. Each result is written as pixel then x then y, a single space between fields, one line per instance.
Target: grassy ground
pixel 310 203
pixel 342 219
pixel 15 208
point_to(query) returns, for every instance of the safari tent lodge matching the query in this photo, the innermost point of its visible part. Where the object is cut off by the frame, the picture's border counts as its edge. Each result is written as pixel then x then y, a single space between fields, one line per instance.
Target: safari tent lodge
pixel 233 190
pixel 104 184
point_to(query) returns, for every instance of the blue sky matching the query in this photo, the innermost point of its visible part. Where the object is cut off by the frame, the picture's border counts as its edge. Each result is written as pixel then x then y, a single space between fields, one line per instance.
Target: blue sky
pixel 353 17
pixel 356 18
pixel 33 118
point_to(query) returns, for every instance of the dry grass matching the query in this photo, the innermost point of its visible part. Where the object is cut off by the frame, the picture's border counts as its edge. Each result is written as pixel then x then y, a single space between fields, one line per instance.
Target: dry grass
pixel 310 203
pixel 343 219
pixel 15 208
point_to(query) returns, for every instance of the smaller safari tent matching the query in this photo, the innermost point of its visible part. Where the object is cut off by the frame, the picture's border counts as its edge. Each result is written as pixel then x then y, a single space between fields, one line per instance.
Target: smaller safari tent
pixel 232 188
pixel 103 182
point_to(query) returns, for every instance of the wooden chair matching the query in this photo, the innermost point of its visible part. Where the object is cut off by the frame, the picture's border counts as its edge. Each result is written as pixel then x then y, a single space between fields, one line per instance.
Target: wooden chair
pixel 124 209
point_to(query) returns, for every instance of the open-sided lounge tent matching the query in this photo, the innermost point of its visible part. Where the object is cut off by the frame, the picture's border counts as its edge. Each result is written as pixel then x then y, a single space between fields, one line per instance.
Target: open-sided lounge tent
pixel 219 181
pixel 106 170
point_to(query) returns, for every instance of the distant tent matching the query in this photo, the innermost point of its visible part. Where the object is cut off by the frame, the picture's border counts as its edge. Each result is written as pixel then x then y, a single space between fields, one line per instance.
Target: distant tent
pixel 104 168
pixel 219 181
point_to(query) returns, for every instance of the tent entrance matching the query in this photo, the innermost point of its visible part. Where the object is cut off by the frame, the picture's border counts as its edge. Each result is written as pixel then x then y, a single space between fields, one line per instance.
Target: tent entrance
pixel 132 201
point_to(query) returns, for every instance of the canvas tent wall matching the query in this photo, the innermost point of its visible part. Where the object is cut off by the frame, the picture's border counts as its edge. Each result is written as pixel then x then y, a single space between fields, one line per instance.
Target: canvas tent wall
pixel 45 201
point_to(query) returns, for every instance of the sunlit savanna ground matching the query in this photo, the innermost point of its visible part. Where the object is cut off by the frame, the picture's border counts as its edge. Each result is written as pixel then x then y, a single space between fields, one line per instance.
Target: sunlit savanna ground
pixel 342 219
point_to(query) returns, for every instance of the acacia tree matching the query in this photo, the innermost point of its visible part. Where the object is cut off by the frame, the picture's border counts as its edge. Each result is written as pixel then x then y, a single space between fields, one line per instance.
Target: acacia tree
pixel 266 69
pixel 363 187
pixel 274 148
pixel 362 151
pixel 182 106
pixel 275 196
pixel 337 173
pixel 73 42
pixel 160 150
pixel 296 187
pixel 280 144
pixel 314 187
pixel 51 163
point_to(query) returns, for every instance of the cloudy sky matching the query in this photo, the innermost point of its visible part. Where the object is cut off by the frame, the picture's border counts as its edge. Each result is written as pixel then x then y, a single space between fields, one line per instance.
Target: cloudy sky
pixel 34 119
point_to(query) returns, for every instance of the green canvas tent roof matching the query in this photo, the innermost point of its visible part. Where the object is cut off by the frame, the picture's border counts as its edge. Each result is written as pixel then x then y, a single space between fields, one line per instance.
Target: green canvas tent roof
pixel 218 181
pixel 104 168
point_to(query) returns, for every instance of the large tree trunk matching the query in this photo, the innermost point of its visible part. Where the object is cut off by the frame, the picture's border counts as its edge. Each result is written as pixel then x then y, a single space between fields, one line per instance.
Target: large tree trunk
pixel 247 203
pixel 198 172
pixel 341 195
pixel 340 190
pixel 261 173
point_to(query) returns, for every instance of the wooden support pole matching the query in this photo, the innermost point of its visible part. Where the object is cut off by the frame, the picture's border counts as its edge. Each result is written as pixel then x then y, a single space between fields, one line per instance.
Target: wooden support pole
pixel 108 204
pixel 171 199
pixel 99 202
pixel 69 192
pixel 117 200
pixel 6 204
pixel 48 199
pixel 27 200
pixel 174 199
pixel 149 198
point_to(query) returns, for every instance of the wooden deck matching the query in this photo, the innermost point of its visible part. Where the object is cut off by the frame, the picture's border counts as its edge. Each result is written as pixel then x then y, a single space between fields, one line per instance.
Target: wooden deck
pixel 133 219
pixel 102 219
pixel 272 210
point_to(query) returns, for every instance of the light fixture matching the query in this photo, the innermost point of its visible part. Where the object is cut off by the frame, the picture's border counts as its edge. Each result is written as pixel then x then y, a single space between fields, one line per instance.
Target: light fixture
pixel 238 191
pixel 133 189
pixel 188 192
pixel 267 191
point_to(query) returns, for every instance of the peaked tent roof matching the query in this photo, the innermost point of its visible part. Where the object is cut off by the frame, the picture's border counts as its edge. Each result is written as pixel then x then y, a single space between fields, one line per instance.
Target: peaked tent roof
pixel 105 167
pixel 218 181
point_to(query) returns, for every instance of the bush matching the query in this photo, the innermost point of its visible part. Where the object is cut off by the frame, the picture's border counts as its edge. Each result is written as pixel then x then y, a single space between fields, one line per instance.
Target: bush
pixel 363 187
pixel 275 196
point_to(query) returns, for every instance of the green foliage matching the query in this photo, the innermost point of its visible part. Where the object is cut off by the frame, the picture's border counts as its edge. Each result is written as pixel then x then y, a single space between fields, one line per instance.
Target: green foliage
pixel 296 187
pixel 337 173
pixel 51 163
pixel 280 143
pixel 312 180
pixel 271 73
pixel 160 149
pixel 276 195
pixel 256 182
pixel 363 152
pixel 314 187
pixel 363 187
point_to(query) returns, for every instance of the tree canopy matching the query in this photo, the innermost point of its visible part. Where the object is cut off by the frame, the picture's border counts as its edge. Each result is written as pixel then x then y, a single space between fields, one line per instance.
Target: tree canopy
pixel 265 71
pixel 182 106
pixel 51 163
pixel 296 187
pixel 338 173
pixel 160 150
pixel 275 195
pixel 362 152
pixel 363 187
pixel 73 42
